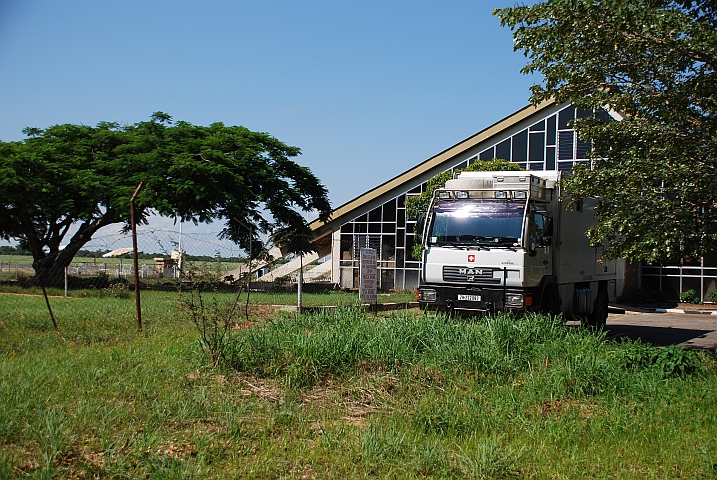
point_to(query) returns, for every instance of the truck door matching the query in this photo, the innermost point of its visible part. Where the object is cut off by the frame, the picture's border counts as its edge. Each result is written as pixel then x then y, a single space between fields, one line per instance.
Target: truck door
pixel 538 262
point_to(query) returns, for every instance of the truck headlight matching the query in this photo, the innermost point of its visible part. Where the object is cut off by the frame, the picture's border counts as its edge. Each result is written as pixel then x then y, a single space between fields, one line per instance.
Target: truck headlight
pixel 427 295
pixel 514 300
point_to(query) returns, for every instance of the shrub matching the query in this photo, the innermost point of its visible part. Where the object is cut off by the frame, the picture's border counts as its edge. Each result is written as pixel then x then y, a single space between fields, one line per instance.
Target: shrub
pixel 671 361
pixel 713 296
pixel 689 296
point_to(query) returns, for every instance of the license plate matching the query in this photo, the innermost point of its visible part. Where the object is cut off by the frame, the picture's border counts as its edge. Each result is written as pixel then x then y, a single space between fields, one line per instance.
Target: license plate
pixel 469 298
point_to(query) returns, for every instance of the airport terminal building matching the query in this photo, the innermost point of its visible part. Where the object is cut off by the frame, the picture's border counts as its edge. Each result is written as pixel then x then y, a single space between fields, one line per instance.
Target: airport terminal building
pixel 536 138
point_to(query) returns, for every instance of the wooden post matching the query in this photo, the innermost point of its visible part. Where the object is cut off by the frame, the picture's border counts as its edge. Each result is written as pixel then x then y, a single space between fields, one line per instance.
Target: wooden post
pixel 136 259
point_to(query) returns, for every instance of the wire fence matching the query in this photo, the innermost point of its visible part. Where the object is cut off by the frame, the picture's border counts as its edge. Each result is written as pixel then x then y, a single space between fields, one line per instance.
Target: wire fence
pixel 176 260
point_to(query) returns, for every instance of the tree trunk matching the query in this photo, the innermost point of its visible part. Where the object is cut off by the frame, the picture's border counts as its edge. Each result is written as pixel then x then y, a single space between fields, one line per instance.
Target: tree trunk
pixel 50 268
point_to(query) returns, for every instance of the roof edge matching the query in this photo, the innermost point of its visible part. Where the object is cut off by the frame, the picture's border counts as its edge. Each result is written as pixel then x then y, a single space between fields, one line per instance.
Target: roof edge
pixel 434 161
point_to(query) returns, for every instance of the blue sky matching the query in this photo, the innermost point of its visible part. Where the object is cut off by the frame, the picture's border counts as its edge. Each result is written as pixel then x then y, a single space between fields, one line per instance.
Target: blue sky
pixel 367 89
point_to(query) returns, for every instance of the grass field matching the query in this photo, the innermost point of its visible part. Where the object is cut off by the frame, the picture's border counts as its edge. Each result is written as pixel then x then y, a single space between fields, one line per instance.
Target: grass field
pixel 342 394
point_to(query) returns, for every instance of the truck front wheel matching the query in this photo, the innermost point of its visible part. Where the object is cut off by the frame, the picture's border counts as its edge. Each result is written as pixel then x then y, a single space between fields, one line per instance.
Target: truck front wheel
pixel 598 319
pixel 550 303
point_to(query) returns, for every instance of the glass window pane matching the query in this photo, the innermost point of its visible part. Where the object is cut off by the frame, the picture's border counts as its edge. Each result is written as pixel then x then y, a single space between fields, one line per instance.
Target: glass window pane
pixel 550 140
pixel 400 201
pixel 346 244
pixel 583 149
pixel 389 211
pixel 401 218
pixel 550 158
pixel 582 113
pixel 520 146
pixel 461 166
pixel 362 218
pixel 538 127
pixel 400 257
pixel 487 154
pixel 347 228
pixel 537 147
pixel 388 227
pixel 388 248
pixel 375 215
pixel 502 150
pixel 565 117
pixel 565 145
pixel 400 237
pixel 374 228
pixel 565 166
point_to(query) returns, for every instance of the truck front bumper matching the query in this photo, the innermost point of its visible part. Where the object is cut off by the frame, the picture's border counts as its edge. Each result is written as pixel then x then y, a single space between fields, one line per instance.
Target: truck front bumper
pixel 482 299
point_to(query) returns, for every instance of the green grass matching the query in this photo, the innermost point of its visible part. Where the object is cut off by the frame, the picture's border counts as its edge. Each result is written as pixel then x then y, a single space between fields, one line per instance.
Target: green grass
pixel 329 298
pixel 342 395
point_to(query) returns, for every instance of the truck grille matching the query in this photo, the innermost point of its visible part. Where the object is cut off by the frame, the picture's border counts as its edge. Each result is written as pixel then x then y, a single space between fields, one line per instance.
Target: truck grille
pixel 468 274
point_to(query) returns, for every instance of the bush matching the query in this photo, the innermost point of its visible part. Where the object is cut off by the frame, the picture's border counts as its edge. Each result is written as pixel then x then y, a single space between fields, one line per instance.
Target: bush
pixel 713 296
pixel 689 296
pixel 671 361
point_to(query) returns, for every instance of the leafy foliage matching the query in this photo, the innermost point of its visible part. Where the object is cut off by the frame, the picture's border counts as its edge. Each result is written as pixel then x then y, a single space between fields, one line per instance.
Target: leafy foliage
pixel 76 174
pixel 652 63
pixel 689 296
pixel 418 205
pixel 671 361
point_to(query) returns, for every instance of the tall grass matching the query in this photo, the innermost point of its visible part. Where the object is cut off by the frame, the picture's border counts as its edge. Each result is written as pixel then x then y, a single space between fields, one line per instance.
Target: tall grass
pixel 534 350
pixel 342 395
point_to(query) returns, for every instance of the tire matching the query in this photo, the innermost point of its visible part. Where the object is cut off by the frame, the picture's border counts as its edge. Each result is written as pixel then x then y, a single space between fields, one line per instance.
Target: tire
pixel 549 304
pixel 598 319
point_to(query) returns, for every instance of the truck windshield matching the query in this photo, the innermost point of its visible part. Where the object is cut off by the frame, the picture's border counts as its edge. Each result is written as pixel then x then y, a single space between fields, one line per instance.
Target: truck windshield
pixel 477 222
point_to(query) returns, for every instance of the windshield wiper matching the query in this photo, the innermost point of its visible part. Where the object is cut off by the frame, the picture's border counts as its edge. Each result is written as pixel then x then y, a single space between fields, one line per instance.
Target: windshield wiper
pixel 491 240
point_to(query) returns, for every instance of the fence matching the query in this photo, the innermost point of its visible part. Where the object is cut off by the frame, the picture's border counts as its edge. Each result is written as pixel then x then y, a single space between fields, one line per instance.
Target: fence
pixel 172 260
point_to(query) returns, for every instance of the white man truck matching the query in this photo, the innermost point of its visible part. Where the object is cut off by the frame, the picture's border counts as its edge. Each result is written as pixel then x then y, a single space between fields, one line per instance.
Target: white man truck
pixel 497 241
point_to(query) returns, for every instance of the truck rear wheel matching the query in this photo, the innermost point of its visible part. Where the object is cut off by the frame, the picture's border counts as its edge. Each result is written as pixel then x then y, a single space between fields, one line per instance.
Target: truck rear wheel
pixel 598 319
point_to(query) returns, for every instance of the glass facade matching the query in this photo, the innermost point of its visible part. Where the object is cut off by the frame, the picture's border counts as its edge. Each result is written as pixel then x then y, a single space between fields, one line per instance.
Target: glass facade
pixel 699 275
pixel 547 143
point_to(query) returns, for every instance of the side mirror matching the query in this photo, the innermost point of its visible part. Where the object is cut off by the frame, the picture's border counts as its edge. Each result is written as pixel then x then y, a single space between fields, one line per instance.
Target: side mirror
pixel 546 241
pixel 420 224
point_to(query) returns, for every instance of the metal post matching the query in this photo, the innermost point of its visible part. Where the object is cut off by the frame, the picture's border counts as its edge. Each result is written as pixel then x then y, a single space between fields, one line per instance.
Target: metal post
pixel 66 282
pixel 505 285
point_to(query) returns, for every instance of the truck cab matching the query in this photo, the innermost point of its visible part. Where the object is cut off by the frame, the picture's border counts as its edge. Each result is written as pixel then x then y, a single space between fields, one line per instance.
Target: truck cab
pixel 496 241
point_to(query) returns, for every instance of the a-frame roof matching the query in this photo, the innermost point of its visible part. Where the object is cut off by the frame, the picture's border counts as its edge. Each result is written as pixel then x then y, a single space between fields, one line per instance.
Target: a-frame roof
pixel 351 209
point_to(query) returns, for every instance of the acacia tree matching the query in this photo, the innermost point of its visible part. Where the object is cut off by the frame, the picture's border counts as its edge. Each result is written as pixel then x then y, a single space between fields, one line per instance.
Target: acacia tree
pixel 84 176
pixel 652 62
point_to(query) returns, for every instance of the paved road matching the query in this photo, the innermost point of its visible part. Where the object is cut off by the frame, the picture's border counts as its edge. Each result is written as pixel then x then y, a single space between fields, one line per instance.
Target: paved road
pixel 694 330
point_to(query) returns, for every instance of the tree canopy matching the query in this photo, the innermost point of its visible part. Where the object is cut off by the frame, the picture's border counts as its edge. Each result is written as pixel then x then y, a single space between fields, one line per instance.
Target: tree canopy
pixel 69 175
pixel 652 63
